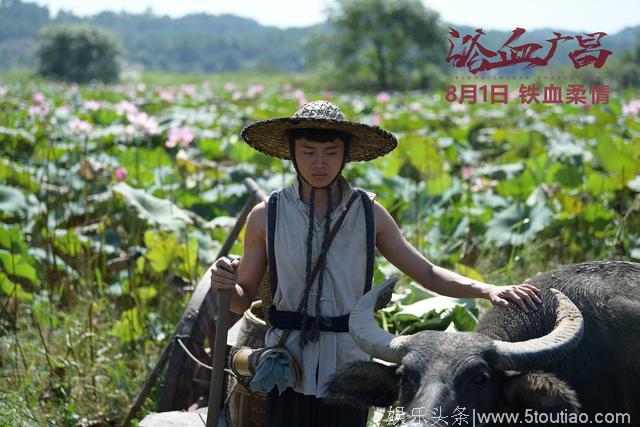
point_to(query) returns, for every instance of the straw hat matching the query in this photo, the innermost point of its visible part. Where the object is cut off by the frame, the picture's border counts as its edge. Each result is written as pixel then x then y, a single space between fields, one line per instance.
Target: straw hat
pixel 270 136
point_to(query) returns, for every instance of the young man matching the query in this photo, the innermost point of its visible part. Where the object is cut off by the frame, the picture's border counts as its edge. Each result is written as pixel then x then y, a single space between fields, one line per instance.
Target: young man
pixel 319 141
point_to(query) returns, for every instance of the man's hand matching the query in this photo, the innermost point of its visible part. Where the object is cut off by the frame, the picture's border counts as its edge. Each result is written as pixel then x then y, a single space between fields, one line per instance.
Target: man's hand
pixel 523 295
pixel 224 274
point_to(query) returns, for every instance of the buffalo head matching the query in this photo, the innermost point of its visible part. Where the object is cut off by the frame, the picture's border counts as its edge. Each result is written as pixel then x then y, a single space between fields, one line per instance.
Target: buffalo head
pixel 443 371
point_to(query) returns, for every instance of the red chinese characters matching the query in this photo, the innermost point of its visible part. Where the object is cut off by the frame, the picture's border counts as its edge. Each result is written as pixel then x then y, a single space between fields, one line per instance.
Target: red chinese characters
pixel 589 54
pixel 467 51
pixel 528 94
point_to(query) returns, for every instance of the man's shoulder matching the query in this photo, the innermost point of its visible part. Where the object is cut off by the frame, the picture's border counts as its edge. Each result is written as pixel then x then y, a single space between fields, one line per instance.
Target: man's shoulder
pixel 259 208
pixel 257 218
pixel 383 218
pixel 370 195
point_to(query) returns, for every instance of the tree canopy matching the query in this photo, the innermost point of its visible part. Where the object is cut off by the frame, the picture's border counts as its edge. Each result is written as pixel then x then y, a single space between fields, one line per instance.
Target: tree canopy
pixel 389 43
pixel 78 53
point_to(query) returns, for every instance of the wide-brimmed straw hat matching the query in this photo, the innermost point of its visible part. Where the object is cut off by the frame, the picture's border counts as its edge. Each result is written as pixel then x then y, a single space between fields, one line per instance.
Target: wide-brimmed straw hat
pixel 270 136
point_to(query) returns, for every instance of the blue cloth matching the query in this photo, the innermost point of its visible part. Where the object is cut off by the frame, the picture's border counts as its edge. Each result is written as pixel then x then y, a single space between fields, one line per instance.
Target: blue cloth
pixel 274 369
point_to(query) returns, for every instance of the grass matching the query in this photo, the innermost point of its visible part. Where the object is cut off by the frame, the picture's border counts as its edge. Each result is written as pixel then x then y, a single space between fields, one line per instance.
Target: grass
pixel 19 75
pixel 241 79
pixel 64 367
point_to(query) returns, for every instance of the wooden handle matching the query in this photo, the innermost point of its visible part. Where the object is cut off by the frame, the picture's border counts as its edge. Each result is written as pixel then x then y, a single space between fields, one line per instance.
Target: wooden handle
pixel 219 350
pixel 222 323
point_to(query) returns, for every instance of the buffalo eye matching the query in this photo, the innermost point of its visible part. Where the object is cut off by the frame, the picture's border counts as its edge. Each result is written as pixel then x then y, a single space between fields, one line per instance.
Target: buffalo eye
pixel 408 384
pixel 401 373
pixel 481 380
pixel 404 377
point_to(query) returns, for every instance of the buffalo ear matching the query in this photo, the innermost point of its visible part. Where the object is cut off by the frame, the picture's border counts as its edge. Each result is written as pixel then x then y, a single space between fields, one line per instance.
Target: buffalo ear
pixel 540 391
pixel 362 384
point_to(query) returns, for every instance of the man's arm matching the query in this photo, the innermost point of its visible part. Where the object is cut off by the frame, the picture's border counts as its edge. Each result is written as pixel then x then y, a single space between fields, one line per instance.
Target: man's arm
pixel 394 247
pixel 245 277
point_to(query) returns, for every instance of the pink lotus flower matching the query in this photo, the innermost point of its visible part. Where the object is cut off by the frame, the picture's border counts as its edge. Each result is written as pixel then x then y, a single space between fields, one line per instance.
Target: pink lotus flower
pixel 415 106
pixel 38 110
pixel 255 90
pixel 236 96
pixel 151 127
pixel 120 173
pixel 301 102
pixel 466 172
pixel 484 184
pixel 63 110
pixel 188 90
pixel 124 107
pixel 141 121
pixel 383 97
pixel 38 98
pixel 298 94
pixel 229 87
pixel 77 126
pixel 180 136
pixel 92 105
pixel 3 91
pixel 137 118
pixel 632 108
pixel 377 119
pixel 357 105
pixel 165 95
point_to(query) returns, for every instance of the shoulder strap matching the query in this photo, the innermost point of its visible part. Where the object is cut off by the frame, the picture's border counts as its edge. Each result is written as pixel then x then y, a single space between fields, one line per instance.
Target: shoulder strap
pixel 321 256
pixel 370 231
pixel 272 205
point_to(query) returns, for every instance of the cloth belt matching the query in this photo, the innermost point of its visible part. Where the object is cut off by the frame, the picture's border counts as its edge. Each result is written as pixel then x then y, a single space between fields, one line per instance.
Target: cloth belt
pixel 290 320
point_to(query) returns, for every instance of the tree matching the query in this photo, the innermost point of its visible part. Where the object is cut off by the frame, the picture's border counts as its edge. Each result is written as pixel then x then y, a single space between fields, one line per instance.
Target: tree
pixel 627 68
pixel 395 43
pixel 78 53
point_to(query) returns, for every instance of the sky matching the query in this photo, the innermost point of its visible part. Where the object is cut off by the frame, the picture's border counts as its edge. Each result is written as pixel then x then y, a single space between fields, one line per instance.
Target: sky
pixel 578 15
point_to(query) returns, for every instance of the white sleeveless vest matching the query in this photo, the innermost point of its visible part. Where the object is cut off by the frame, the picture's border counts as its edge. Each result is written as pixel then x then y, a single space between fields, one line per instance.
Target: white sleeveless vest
pixel 343 283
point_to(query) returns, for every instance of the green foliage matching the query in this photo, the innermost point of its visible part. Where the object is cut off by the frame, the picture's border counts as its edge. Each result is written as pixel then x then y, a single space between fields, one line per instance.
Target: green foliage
pixel 625 69
pixel 152 209
pixel 12 202
pixel 78 54
pixel 518 224
pixel 413 310
pixel 384 44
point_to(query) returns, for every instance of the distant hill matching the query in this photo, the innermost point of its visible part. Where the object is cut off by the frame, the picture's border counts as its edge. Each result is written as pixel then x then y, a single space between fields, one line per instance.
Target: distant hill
pixel 211 43
pixel 194 43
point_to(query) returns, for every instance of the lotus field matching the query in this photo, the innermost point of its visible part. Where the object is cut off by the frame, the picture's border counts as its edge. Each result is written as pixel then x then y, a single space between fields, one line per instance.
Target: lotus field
pixel 115 199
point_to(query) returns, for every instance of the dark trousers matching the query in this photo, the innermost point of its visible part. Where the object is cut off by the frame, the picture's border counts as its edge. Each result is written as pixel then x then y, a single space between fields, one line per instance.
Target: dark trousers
pixel 291 409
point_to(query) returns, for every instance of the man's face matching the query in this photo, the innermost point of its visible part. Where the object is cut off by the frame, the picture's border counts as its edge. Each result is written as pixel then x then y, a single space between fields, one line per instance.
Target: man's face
pixel 319 162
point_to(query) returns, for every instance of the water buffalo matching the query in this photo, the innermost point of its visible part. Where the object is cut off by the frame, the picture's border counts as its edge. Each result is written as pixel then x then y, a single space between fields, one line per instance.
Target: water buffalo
pixel 578 353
